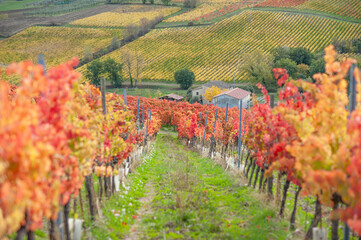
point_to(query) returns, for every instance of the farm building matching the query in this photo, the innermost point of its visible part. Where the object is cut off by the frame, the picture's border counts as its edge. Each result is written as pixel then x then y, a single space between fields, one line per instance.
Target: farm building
pixel 233 97
pixel 201 90
pixel 172 97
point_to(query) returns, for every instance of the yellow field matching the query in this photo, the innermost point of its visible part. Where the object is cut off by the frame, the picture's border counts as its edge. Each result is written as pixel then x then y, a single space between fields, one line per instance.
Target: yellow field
pixel 197 12
pixel 212 52
pixel 58 44
pixel 124 17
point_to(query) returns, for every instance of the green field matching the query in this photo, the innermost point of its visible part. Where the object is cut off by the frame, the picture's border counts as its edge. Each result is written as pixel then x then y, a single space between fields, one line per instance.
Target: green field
pixel 8 5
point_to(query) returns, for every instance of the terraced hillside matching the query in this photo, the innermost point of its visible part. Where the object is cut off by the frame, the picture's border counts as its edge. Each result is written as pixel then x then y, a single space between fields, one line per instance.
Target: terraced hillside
pixel 213 52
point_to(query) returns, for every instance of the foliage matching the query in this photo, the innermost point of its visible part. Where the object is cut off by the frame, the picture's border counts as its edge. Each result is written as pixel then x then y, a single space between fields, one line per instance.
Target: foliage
pixel 317 66
pixel 259 69
pixel 113 71
pixel 349 46
pixel 288 64
pixel 190 3
pixel 303 71
pixel 94 72
pixel 301 55
pixel 280 52
pixel 213 91
pixel 166 2
pixel 184 78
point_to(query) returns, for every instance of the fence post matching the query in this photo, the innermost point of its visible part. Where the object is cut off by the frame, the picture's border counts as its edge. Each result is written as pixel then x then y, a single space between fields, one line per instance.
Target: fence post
pixel 200 117
pixel 143 118
pixel 352 89
pixel 226 113
pixel 240 134
pixel 205 129
pixel 138 114
pixel 125 97
pixel 103 90
pixel 214 129
pixel 352 108
pixel 41 61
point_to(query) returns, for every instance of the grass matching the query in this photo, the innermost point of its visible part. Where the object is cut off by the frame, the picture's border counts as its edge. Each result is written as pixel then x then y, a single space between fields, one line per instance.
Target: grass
pixel 8 5
pixel 196 199
pixel 148 92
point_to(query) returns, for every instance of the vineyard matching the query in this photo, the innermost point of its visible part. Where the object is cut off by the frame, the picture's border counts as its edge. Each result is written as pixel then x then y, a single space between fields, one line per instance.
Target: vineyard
pixel 348 8
pixel 82 161
pixel 121 19
pixel 64 133
pixel 213 52
pixel 206 12
pixel 56 43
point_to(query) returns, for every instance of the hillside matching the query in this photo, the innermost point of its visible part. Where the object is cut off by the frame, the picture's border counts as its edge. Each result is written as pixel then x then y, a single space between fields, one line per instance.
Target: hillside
pixel 210 39
pixel 213 52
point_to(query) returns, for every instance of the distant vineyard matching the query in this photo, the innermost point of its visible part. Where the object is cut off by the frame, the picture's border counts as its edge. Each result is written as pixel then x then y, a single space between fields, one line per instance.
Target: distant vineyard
pixel 55 8
pixel 209 11
pixel 197 12
pixel 212 52
pixel 58 44
pixel 121 19
pixel 280 3
pixel 348 8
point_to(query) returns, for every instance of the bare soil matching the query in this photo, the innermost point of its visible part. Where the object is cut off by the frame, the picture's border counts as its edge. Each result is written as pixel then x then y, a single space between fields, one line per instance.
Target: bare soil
pixel 18 21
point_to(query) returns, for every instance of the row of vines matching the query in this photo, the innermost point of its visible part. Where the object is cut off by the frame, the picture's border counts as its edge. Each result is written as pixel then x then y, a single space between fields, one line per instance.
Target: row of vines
pixel 311 139
pixel 55 134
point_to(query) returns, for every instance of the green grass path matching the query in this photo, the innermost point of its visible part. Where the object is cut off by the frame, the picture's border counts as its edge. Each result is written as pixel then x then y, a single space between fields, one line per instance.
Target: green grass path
pixel 196 199
pixel 177 194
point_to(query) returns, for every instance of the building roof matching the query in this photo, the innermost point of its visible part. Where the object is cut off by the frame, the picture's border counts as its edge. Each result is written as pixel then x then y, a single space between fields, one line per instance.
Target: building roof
pixel 172 96
pixel 219 84
pixel 237 93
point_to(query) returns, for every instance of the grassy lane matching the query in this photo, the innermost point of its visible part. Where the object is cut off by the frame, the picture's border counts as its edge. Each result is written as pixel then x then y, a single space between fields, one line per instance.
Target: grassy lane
pixel 196 199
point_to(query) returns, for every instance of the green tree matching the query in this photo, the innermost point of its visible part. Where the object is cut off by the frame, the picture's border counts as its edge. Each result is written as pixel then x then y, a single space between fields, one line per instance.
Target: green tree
pixel 288 64
pixel 93 72
pixel 258 68
pixel 317 66
pixel 166 2
pixel 190 3
pixel 113 71
pixel 280 52
pixel 303 71
pixel 185 78
pixel 301 55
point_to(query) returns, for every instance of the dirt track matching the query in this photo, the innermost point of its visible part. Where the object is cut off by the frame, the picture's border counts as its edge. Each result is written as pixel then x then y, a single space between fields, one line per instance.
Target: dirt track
pixel 17 21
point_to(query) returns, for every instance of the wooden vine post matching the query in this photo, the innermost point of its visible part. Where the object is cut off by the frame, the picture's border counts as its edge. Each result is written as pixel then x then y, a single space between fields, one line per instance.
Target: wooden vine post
pixel 138 114
pixel 143 117
pixel 240 134
pixel 270 179
pixel 205 130
pixel 214 129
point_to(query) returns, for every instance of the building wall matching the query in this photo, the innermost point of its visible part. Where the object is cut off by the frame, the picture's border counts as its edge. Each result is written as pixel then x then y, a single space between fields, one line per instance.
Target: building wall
pixel 222 101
